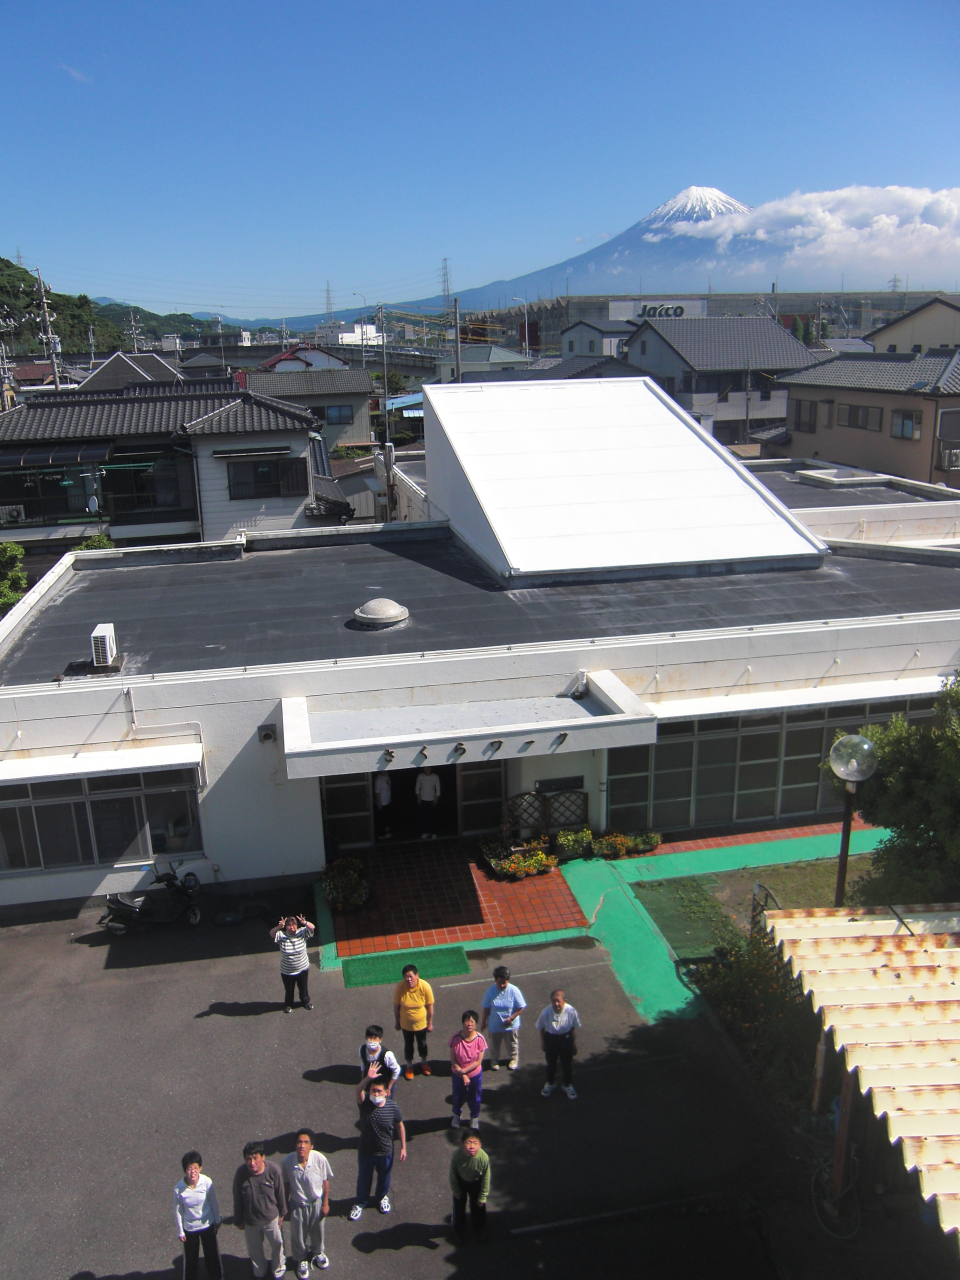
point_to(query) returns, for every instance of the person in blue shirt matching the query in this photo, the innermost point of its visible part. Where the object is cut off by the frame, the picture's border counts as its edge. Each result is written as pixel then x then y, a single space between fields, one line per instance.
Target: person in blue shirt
pixel 502 1007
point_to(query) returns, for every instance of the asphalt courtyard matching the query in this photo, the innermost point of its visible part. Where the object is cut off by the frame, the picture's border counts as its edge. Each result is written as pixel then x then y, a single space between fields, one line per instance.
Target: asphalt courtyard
pixel 120 1054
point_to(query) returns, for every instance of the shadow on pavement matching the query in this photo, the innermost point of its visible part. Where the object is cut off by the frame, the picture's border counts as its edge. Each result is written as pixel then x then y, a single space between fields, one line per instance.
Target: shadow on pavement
pixel 404 1235
pixel 338 1073
pixel 240 1008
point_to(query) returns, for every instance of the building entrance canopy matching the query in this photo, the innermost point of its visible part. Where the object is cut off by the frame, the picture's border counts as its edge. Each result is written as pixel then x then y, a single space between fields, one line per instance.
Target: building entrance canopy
pixel 373 738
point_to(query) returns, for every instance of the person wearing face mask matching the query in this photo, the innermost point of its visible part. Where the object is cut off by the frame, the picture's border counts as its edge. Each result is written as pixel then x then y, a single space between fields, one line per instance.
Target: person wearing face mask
pixel 376 1062
pixel 198 1218
pixel 380 1119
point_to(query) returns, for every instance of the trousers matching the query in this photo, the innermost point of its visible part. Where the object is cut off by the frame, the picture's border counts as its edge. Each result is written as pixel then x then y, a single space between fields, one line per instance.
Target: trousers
pixel 211 1254
pixel 366 1164
pixel 300 981
pixel 497 1039
pixel 478 1211
pixel 306 1231
pixel 467 1091
pixel 265 1248
pixel 408 1044
pixel 559 1049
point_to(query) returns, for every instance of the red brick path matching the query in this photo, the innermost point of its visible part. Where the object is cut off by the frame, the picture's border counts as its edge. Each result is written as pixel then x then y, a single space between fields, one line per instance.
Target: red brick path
pixel 427 895
pixel 756 837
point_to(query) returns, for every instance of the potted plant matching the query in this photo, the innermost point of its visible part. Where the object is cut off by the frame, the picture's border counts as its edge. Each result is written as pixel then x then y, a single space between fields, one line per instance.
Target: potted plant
pixel 518 863
pixel 344 885
pixel 612 844
pixel 574 843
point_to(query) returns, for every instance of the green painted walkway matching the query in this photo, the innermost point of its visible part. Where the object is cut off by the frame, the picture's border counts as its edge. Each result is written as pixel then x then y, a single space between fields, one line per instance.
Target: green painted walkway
pixel 735 857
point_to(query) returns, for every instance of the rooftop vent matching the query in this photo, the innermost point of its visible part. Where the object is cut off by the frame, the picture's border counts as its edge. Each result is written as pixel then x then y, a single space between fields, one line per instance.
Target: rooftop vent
pixel 380 613
pixel 103 642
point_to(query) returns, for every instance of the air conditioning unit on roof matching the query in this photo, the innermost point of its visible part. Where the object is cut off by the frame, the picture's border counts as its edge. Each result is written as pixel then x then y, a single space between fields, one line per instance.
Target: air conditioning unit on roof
pixel 103 642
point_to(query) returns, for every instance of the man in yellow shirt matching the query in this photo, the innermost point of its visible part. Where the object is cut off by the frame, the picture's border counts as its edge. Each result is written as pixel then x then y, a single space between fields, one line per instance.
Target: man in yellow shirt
pixel 413 1014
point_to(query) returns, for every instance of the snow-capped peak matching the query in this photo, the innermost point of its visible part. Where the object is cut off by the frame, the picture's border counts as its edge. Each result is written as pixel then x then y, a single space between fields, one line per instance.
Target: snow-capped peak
pixel 696 204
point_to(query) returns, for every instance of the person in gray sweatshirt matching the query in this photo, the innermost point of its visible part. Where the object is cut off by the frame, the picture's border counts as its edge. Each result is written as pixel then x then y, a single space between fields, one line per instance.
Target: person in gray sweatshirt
pixel 259 1206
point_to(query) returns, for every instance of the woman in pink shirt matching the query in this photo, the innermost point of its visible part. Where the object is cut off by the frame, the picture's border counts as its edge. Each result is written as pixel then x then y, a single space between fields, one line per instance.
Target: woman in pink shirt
pixel 467 1048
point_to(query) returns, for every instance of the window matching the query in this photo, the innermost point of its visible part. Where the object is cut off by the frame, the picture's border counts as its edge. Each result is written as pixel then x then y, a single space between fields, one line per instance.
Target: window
pixel 643 346
pixel 863 417
pixel 916 348
pixel 591 345
pixel 569 344
pixel 905 424
pixel 950 425
pixel 267 478
pixel 805 416
pixel 339 415
pixel 892 347
pixel 107 821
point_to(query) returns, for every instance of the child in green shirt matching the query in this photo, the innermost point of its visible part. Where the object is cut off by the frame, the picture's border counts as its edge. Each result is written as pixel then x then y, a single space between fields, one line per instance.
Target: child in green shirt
pixel 469 1179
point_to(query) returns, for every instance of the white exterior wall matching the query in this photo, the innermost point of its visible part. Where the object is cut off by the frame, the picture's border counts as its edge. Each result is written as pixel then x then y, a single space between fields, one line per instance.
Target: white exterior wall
pixel 523 775
pixel 225 519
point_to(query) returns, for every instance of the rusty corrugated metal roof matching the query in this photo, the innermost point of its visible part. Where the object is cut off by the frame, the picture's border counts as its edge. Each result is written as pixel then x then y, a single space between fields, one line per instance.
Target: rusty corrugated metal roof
pixel 886 981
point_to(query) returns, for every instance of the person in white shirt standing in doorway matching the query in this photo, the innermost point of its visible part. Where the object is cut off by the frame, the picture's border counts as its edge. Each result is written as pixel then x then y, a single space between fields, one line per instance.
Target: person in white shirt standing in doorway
pixel 306 1183
pixel 291 936
pixel 558 1035
pixel 428 793
pixel 197 1216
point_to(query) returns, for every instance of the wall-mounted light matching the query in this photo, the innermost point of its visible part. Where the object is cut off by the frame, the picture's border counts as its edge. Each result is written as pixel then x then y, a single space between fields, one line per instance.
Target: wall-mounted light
pixel 495 745
pixel 423 752
pixel 387 755
pixel 561 738
pixel 459 749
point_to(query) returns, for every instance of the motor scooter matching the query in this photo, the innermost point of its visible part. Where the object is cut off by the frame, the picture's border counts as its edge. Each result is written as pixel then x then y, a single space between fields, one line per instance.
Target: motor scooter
pixel 177 904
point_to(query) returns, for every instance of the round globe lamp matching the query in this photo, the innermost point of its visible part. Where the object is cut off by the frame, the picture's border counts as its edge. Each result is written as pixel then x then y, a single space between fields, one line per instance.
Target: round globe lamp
pixel 853 759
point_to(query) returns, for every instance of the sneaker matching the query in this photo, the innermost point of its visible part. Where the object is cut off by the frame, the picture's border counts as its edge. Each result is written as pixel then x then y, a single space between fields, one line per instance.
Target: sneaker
pixel 475 1122
pixel 355 1212
pixel 547 1089
pixel 408 1071
pixel 433 836
pixel 425 1068
pixel 308 1004
pixel 494 1066
pixel 454 1122
pixel 303 1270
pixel 384 1205
pixel 570 1091
pixel 513 1064
pixel 321 1261
pixel 288 1008
pixel 423 835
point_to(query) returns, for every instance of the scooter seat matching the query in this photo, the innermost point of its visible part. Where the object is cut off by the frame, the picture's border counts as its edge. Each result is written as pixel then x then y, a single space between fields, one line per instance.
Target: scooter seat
pixel 132 899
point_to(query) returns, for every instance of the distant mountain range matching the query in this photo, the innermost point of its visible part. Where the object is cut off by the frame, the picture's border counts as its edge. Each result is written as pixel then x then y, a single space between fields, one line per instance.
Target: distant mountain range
pixel 868 237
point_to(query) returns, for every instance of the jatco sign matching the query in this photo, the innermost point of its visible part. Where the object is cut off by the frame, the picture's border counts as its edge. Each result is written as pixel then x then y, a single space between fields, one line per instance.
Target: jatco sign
pixel 657 310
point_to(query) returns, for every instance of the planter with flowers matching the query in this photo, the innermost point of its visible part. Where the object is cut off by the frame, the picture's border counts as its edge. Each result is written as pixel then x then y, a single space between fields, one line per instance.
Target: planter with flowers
pixel 516 862
pixel 344 885
pixel 614 845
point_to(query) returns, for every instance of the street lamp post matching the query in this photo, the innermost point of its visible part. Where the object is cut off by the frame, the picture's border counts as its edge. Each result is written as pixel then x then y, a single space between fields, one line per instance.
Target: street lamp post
pixel 363 347
pixel 526 330
pixel 853 759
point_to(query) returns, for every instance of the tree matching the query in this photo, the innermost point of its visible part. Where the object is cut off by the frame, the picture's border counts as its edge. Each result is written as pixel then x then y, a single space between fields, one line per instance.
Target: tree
pixel 13 580
pixel 797 328
pixel 99 542
pixel 807 331
pixel 824 330
pixel 915 794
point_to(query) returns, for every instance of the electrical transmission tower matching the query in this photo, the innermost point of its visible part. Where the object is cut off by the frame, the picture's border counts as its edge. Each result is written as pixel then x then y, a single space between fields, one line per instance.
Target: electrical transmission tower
pixel 329 304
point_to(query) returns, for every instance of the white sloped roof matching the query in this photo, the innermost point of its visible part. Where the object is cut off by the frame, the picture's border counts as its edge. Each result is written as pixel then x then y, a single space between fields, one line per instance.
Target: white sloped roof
pixel 887 982
pixel 595 473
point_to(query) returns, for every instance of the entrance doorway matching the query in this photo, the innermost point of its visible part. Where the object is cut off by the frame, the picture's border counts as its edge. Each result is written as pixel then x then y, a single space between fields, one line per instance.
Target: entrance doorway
pixel 470 803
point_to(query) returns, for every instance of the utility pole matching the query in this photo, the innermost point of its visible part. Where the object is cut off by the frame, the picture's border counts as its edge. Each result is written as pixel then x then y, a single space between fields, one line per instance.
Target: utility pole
pixel 456 327
pixel 363 345
pixel 447 308
pixel 746 401
pixel 51 341
pixel 383 336
pixel 134 335
pixel 92 340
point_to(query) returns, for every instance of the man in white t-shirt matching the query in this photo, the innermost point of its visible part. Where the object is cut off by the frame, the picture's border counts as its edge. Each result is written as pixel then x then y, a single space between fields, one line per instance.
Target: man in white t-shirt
pixel 382 795
pixel 306 1180
pixel 558 1025
pixel 428 793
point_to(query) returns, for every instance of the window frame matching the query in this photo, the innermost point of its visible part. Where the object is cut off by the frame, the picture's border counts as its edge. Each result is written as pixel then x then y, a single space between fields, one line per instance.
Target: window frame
pixel 342 415
pixel 916 424
pixel 861 412
pixel 290 481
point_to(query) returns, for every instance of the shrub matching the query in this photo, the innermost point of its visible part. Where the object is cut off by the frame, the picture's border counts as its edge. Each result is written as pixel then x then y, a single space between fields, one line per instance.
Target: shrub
pixel 99 542
pixel 574 844
pixel 343 884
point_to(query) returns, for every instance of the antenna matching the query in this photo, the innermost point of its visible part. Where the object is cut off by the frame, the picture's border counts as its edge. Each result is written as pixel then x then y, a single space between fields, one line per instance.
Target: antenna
pixel 329 304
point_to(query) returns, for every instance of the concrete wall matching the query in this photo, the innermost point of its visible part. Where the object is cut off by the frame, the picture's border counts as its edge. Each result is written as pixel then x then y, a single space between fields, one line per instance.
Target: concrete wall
pixel 523 775
pixel 932 522
pixel 660 360
pixel 223 518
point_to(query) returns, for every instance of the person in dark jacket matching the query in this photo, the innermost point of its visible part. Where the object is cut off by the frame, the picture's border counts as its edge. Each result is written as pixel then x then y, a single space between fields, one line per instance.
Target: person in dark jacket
pixel 259 1206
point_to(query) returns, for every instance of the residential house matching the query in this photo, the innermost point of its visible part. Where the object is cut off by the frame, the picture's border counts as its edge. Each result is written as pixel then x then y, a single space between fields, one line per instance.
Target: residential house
pixel 893 412
pixel 303 357
pixel 126 369
pixel 935 323
pixel 722 369
pixel 339 399
pixel 596 337
pixel 480 358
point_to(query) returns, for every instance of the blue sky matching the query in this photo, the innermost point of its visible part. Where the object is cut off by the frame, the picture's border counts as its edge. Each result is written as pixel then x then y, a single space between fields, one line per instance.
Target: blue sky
pixel 236 157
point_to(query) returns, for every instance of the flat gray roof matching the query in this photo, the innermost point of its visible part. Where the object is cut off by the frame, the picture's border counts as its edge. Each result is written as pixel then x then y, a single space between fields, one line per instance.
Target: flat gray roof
pixel 285 606
pixel 795 494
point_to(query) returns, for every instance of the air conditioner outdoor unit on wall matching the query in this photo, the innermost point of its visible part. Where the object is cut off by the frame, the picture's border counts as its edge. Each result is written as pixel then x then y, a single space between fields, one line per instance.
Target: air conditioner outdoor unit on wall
pixel 103 642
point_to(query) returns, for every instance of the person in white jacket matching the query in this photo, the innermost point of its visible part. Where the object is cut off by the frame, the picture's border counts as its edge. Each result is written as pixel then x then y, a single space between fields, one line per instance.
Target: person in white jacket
pixel 197 1216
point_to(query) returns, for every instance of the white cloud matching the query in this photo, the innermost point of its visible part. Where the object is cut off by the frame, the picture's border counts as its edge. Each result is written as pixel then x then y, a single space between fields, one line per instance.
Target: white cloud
pixel 867 232
pixel 77 75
